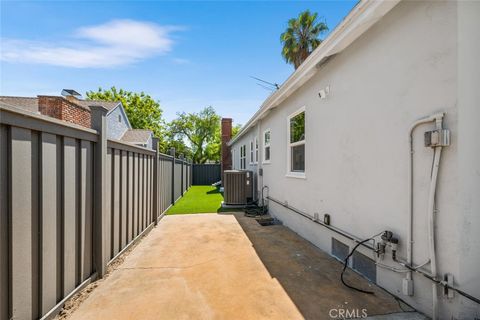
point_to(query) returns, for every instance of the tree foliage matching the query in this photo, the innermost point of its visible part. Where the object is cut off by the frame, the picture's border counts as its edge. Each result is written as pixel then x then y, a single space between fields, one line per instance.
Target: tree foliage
pixel 200 130
pixel 196 136
pixel 301 37
pixel 142 110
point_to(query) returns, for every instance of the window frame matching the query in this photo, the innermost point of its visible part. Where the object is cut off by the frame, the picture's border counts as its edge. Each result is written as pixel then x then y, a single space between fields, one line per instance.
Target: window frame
pixel 252 159
pixel 243 157
pixel 290 173
pixel 265 145
pixel 255 144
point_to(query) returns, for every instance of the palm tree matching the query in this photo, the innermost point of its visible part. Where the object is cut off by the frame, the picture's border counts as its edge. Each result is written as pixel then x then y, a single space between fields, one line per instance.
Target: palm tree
pixel 301 37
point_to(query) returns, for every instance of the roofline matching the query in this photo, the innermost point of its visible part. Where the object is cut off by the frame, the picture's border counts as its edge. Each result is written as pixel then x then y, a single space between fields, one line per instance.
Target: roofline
pixel 360 19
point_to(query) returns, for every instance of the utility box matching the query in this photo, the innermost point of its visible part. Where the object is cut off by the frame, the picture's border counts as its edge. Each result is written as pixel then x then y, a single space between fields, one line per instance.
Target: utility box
pixel 238 187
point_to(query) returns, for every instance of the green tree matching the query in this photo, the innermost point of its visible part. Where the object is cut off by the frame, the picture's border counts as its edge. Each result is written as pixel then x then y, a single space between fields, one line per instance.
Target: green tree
pixel 301 37
pixel 199 129
pixel 142 110
pixel 213 149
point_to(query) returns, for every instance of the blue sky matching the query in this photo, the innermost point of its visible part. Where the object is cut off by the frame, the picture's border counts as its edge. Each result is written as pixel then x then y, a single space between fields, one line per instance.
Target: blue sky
pixel 187 55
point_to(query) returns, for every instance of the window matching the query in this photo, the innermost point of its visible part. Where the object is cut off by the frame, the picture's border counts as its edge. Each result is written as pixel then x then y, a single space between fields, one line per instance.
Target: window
pixel 296 143
pixel 119 118
pixel 266 146
pixel 256 149
pixel 243 157
pixel 251 152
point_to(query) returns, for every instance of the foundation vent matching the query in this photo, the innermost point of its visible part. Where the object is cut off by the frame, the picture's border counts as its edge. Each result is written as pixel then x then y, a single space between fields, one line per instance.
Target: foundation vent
pixel 339 250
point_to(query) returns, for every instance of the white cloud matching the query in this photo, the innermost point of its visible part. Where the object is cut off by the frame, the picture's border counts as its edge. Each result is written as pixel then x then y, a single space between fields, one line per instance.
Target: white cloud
pixel 180 61
pixel 118 42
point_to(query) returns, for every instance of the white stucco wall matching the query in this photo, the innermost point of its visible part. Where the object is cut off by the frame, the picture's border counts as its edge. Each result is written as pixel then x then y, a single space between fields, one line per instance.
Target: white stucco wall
pixel 404 68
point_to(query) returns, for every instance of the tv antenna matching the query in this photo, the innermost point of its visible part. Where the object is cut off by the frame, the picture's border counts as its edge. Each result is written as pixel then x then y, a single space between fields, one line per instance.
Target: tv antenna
pixel 269 85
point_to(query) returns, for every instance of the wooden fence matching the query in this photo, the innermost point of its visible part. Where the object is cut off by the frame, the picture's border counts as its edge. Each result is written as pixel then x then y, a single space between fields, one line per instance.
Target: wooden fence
pixel 71 201
pixel 206 174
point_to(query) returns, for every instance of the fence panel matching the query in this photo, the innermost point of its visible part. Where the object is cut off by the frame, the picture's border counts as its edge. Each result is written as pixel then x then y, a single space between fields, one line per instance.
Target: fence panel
pixel 46 203
pixel 131 175
pixel 178 180
pixel 48 171
pixel 165 184
pixel 206 174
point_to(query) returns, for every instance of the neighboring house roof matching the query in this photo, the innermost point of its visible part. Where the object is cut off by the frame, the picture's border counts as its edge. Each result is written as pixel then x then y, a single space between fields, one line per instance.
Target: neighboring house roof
pixel 365 14
pixel 137 136
pixel 31 103
pixel 109 105
pixel 25 103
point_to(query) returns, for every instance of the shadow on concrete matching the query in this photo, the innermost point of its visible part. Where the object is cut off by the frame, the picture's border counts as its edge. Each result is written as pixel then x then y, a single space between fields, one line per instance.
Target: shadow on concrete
pixel 311 277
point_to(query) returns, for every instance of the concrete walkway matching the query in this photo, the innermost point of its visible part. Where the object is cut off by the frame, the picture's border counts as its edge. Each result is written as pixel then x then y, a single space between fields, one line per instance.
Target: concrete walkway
pixel 204 266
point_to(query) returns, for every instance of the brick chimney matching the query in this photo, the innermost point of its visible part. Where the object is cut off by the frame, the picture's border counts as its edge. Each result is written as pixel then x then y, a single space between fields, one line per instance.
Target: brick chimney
pixel 65 109
pixel 225 150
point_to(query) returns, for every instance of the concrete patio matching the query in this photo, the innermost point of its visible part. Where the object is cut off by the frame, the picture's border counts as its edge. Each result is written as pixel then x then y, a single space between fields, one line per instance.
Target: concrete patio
pixel 226 266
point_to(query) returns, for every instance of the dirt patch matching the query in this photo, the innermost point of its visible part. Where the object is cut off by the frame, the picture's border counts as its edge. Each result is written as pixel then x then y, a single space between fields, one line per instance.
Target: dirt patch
pixel 74 303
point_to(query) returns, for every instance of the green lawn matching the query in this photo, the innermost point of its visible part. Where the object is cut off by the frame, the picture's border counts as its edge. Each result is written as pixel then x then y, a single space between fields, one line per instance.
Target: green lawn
pixel 198 199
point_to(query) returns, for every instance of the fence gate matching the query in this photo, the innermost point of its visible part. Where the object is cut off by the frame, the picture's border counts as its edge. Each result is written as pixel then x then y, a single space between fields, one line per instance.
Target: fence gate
pixel 206 174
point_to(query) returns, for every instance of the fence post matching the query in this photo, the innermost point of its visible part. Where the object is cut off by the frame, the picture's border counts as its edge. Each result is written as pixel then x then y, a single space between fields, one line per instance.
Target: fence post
pixel 172 153
pixel 156 196
pixel 99 123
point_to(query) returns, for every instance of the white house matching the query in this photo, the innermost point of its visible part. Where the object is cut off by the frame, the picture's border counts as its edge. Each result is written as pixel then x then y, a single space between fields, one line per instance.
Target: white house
pixel 335 140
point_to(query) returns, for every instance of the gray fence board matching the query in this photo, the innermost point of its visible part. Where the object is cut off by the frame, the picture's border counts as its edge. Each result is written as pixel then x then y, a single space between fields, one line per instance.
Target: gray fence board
pixel 49 228
pixel 130 198
pixel 178 177
pixel 109 205
pixel 123 200
pixel 116 203
pixel 4 234
pixel 69 216
pixel 135 195
pixel 86 217
pixel 21 203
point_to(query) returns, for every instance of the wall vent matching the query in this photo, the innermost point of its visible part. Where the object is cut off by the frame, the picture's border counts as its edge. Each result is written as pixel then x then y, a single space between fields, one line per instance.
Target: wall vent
pixel 365 266
pixel 339 249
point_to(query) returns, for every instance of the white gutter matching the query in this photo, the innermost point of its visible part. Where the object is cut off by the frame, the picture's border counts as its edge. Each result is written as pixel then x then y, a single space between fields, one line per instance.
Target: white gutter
pixel 360 19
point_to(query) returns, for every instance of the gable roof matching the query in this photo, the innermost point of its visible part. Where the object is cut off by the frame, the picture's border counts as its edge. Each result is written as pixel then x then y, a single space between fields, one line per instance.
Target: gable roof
pixel 365 14
pixel 137 135
pixel 109 105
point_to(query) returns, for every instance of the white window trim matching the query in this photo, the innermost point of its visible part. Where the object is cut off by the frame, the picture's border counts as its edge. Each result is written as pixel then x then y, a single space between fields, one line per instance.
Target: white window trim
pixel 251 155
pixel 265 145
pixel 256 150
pixel 294 174
pixel 244 157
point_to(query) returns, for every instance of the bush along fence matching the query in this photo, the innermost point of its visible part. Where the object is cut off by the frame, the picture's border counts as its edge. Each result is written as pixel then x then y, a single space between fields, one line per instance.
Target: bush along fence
pixel 71 201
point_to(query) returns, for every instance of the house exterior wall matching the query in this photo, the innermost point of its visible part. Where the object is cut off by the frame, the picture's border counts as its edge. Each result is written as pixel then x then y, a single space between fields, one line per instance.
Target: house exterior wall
pixel 117 123
pixel 402 69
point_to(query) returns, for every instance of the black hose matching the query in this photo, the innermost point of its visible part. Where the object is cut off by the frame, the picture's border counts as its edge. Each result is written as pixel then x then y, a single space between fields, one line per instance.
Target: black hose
pixel 345 264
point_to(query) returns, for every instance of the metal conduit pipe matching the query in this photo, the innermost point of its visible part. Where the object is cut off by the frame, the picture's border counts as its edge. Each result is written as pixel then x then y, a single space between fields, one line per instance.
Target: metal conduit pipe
pixel 431 219
pixel 410 190
pixel 330 227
